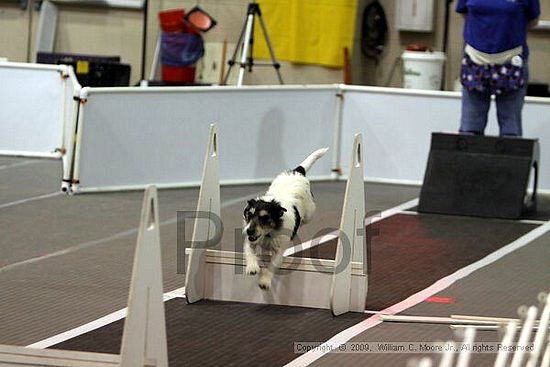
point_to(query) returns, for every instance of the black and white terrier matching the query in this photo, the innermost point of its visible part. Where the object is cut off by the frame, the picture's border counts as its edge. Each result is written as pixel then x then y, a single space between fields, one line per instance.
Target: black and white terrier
pixel 272 220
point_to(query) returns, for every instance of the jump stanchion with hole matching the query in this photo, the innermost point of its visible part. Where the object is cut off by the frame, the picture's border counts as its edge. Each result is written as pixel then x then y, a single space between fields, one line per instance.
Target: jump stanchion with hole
pixel 144 337
pixel 145 325
pixel 351 242
pixel 219 275
pixel 246 45
pixel 204 230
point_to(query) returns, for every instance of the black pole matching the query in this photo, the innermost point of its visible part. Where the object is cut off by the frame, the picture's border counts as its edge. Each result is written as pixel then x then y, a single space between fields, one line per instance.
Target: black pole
pixel 253 9
pixel 445 39
pixel 144 39
pixel 446 25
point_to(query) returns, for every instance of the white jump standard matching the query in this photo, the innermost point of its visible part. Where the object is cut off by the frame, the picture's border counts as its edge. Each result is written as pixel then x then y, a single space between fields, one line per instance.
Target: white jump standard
pixel 144 337
pixel 216 274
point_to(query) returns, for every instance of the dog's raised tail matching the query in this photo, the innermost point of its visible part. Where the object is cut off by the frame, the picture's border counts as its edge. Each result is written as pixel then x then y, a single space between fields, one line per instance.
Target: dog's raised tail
pixel 310 160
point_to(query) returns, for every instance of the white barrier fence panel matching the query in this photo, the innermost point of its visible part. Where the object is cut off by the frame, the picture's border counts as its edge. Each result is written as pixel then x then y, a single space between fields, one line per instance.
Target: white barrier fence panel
pixel 130 137
pixel 397 126
pixel 36 108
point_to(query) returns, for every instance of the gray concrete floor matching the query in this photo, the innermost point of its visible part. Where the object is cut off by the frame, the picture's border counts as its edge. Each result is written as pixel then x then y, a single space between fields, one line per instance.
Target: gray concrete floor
pixel 66 261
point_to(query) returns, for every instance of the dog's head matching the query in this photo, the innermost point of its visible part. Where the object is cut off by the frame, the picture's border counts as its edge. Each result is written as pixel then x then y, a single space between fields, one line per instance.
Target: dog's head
pixel 262 217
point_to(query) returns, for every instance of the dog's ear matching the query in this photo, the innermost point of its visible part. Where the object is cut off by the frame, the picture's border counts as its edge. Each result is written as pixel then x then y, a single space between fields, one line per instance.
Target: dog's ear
pixel 249 205
pixel 278 209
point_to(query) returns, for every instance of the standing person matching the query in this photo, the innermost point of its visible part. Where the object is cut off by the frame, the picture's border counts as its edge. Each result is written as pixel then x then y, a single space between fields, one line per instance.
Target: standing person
pixel 495 62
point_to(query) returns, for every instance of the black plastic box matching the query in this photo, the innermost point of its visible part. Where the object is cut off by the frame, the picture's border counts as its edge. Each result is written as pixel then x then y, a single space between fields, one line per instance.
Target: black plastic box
pixel 91 70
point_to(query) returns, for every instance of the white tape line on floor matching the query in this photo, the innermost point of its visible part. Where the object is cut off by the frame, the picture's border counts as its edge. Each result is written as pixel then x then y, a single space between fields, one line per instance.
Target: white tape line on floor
pixel 31 199
pixel 17 164
pixel 96 324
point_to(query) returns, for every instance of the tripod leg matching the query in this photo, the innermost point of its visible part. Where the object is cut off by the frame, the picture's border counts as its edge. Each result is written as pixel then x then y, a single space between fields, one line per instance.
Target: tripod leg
pixel 246 44
pixel 231 61
pixel 276 64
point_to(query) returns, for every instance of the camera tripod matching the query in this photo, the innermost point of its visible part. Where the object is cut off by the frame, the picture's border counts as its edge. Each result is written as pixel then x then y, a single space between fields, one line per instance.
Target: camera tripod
pixel 246 45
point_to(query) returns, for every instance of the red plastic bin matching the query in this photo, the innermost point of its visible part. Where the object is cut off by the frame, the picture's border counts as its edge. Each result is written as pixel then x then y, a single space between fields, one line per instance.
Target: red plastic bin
pixel 172 20
pixel 178 74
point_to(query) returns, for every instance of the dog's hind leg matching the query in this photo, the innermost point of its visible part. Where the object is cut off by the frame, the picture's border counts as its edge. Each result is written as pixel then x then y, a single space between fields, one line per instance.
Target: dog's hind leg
pixel 252 266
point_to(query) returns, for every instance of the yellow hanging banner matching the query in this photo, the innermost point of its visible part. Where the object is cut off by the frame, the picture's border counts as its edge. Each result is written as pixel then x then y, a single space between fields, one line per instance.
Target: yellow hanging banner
pixel 307 31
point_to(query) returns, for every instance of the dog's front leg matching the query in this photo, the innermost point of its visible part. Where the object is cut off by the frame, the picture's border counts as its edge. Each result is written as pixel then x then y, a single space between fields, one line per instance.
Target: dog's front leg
pixel 252 266
pixel 276 260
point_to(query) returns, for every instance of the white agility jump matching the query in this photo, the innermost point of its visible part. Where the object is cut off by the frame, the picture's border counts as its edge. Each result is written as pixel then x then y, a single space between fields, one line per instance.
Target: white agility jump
pixel 339 285
pixel 144 337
